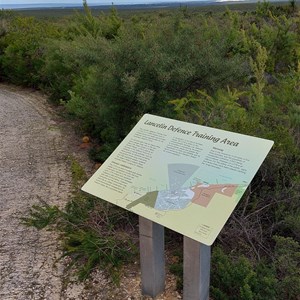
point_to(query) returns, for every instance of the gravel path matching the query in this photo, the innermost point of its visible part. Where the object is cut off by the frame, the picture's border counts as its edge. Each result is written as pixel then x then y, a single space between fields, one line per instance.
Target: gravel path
pixel 35 143
pixel 33 167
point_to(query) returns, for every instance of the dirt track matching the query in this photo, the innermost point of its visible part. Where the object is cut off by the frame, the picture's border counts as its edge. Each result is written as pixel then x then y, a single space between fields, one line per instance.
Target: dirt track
pixel 34 167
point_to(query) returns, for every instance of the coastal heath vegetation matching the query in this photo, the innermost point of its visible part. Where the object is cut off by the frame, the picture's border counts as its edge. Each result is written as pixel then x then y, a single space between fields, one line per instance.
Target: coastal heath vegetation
pixel 234 70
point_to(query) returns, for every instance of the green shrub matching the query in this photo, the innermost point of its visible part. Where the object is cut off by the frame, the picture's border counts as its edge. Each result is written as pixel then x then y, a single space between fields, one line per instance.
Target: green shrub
pixel 287 255
pixel 94 238
pixel 237 278
pixel 134 75
pixel 22 59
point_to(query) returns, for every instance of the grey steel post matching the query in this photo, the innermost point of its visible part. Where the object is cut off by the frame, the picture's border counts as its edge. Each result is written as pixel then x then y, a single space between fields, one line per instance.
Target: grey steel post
pixel 196 270
pixel 152 257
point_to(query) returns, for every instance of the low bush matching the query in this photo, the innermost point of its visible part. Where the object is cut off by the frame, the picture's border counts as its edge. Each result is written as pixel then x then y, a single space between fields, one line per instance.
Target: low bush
pixel 94 233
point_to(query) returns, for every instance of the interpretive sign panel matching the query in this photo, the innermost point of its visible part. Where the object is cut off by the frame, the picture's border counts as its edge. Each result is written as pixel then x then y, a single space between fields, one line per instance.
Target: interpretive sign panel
pixel 183 176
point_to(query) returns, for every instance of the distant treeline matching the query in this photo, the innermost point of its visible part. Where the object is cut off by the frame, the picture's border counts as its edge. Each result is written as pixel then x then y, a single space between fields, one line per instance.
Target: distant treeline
pixel 237 71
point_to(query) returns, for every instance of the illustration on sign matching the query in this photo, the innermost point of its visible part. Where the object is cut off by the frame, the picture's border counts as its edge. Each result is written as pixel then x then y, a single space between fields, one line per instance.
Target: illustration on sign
pixel 178 196
pixel 183 176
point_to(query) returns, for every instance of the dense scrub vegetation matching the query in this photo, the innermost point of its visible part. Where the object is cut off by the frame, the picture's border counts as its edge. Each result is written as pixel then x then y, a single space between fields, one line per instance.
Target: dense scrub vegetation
pixel 236 71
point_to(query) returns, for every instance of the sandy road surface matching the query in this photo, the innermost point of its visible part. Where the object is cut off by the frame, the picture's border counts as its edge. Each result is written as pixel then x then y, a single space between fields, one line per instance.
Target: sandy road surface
pixel 33 167
pixel 34 146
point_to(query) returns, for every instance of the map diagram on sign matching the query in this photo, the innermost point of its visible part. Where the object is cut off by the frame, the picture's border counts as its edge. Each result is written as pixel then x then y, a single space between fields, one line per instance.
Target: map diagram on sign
pixel 183 191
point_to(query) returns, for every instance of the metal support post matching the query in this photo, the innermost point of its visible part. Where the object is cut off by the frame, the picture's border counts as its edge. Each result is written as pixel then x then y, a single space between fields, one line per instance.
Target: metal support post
pixel 152 257
pixel 196 270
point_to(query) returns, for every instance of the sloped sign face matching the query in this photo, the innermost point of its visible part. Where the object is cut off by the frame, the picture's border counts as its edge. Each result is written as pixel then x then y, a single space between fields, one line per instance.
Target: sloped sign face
pixel 183 176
